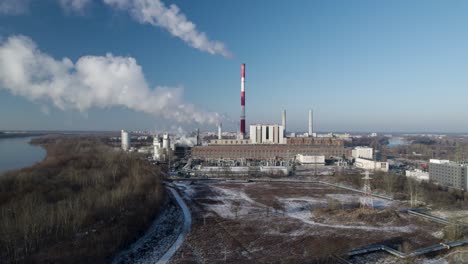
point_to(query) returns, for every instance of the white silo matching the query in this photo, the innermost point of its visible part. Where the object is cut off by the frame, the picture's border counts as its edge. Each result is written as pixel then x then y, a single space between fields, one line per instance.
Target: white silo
pixel 166 141
pixel 125 140
pixel 157 144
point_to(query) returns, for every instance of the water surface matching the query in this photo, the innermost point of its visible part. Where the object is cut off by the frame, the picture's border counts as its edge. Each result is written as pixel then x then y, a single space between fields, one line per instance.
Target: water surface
pixel 16 153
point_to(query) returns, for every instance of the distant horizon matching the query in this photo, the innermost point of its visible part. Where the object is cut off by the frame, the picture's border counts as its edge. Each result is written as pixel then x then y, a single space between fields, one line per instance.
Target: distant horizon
pixel 379 133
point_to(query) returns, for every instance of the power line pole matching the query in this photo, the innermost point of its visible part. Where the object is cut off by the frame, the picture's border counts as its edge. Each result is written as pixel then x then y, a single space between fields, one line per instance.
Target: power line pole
pixel 366 198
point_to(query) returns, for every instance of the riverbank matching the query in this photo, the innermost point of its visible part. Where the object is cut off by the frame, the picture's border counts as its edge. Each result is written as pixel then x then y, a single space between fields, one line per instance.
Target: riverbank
pixel 82 204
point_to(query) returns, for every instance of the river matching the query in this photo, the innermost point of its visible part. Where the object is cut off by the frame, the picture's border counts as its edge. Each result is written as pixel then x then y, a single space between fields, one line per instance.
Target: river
pixel 16 153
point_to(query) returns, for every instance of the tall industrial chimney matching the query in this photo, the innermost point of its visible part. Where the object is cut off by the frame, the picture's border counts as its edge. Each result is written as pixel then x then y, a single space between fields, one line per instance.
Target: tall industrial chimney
pixel 198 137
pixel 310 123
pixel 283 121
pixel 220 135
pixel 242 117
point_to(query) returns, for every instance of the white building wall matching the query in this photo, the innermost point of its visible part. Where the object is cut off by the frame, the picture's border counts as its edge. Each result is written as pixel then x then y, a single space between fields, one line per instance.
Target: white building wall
pixel 309 159
pixel 264 132
pixel 362 152
pixel 437 161
pixel 281 135
pixel 166 141
pixel 253 134
pixel 367 164
pixel 418 174
pixel 267 134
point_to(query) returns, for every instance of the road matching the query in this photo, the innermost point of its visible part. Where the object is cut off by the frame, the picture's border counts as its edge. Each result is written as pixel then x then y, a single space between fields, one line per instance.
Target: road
pixel 185 230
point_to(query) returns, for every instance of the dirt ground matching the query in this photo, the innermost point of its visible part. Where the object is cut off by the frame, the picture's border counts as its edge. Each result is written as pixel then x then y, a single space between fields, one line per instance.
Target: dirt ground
pixel 291 223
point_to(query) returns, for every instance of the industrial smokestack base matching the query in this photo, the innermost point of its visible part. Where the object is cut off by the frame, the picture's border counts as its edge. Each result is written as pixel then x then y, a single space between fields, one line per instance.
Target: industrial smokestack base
pixel 283 121
pixel 310 124
pixel 220 134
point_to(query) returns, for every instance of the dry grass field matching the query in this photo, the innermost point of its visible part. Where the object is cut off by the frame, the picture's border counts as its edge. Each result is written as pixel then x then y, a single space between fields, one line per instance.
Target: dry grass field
pixel 291 223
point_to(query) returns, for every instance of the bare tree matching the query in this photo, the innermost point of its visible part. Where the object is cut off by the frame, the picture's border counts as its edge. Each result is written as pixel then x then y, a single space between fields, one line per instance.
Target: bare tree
pixel 413 191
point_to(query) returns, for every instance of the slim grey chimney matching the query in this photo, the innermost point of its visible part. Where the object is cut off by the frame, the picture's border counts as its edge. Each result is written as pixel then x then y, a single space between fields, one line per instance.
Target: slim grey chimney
pixel 220 135
pixel 283 121
pixel 310 123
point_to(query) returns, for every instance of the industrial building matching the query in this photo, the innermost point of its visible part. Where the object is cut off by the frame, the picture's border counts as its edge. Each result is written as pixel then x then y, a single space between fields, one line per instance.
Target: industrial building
pixel 125 140
pixel 449 173
pixel 162 147
pixel 267 151
pixel 363 152
pixel 269 142
pixel 368 164
pixel 267 134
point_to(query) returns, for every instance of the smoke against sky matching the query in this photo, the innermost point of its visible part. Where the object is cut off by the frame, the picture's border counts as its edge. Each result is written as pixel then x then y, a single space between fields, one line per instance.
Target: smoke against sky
pixel 93 81
pixel 14 7
pixel 74 5
pixel 155 12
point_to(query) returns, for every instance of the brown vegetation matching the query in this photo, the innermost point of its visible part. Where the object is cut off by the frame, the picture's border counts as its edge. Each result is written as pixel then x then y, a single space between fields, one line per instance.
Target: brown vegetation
pixel 82 204
pixel 356 215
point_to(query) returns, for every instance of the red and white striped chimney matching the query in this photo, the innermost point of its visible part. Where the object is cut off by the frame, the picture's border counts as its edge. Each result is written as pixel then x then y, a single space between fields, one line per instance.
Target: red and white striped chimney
pixel 242 117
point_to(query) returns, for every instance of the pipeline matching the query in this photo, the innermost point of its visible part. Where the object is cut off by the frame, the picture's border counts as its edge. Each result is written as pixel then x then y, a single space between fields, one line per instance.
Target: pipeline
pixel 418 252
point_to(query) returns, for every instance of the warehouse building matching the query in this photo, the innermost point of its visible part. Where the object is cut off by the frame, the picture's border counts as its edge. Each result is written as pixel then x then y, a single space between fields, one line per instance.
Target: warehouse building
pixel 267 151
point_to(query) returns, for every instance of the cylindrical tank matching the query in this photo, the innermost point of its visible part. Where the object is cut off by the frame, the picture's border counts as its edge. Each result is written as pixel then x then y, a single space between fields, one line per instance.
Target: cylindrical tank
pixel 125 140
pixel 166 141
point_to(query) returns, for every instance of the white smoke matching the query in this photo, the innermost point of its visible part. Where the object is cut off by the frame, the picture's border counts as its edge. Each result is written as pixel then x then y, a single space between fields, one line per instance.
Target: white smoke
pixel 93 81
pixel 182 137
pixel 155 12
pixel 74 5
pixel 14 7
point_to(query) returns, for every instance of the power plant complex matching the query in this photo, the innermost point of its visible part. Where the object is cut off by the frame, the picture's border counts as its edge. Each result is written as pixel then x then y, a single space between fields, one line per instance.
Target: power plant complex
pixel 269 141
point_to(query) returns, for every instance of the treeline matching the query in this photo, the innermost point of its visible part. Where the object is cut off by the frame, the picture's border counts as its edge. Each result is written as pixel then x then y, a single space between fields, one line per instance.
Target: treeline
pixel 417 193
pixel 82 204
pixel 374 142
pixel 430 148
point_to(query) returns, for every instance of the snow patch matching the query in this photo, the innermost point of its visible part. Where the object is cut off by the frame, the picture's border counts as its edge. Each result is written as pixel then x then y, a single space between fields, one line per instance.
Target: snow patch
pixel 186 187
pixel 301 210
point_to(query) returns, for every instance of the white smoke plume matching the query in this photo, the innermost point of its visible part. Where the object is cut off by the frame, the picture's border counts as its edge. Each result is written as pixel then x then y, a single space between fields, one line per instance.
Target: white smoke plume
pixel 155 12
pixel 77 6
pixel 14 7
pixel 93 81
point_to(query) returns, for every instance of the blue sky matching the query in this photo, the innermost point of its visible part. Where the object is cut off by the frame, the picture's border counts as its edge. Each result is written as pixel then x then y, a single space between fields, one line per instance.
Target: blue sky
pixel 361 65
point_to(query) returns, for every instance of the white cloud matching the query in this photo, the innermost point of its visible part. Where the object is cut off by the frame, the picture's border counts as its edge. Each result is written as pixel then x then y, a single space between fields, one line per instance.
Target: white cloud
pixel 155 12
pixel 93 81
pixel 14 7
pixel 77 6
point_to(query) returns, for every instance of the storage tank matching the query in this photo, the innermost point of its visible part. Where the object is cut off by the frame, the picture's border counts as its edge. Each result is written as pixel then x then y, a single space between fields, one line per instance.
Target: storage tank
pixel 166 141
pixel 125 138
